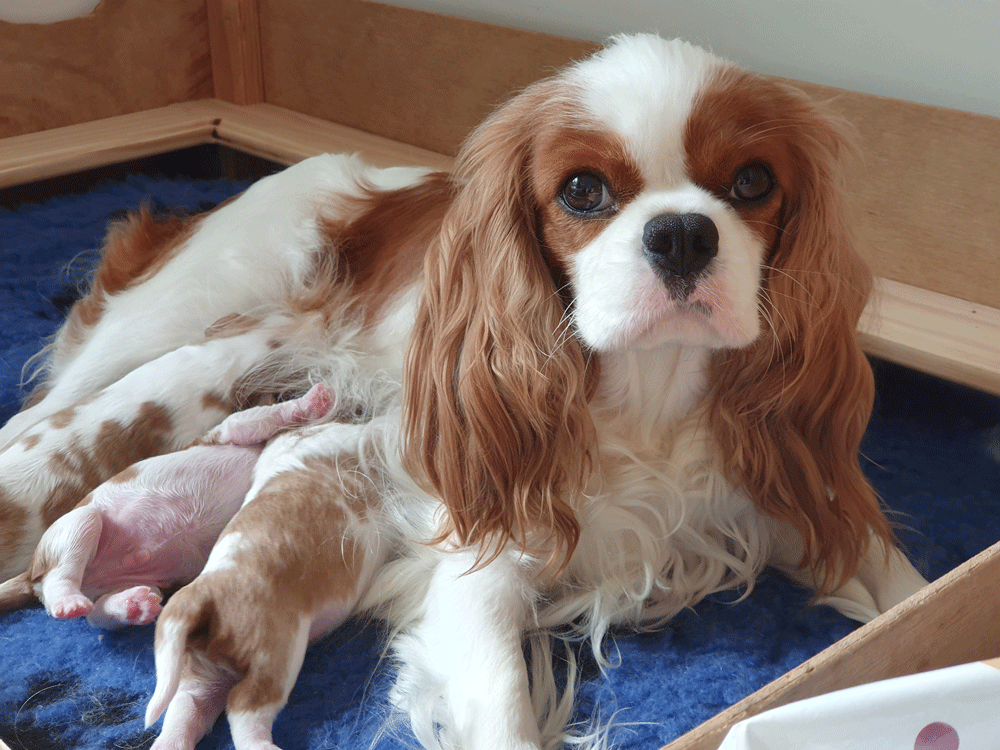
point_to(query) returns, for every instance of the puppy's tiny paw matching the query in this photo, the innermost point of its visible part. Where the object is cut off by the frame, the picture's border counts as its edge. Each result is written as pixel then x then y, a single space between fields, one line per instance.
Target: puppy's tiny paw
pixel 221 435
pixel 70 606
pixel 136 606
pixel 143 606
pixel 318 402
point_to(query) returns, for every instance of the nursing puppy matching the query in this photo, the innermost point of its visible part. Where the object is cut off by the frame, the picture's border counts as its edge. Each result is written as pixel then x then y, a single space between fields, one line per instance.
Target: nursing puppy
pixel 151 527
pixel 290 566
pixel 162 406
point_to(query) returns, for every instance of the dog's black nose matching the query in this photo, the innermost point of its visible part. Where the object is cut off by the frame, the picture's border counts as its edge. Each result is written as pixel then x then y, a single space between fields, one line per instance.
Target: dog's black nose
pixel 679 246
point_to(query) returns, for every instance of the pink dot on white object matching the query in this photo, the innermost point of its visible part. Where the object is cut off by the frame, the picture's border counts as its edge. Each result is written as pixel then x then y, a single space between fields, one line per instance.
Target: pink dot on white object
pixel 939 736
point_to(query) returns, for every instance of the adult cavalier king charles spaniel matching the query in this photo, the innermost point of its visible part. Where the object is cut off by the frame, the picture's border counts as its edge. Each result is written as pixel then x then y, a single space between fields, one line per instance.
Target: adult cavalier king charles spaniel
pixel 606 368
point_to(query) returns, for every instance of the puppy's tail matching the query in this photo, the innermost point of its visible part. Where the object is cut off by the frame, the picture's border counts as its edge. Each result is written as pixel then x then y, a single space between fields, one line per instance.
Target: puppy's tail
pixel 172 631
pixel 16 593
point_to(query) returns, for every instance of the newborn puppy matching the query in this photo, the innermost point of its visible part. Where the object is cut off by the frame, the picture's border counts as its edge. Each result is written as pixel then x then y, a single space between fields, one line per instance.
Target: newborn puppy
pixel 288 568
pixel 151 526
pixel 159 407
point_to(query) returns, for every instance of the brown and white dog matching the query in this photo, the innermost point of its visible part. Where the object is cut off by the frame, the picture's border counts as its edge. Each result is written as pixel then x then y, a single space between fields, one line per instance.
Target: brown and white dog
pixel 606 368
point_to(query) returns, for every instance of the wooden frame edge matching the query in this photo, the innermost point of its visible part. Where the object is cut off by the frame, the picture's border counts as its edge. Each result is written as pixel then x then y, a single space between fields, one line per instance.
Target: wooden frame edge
pixel 235 45
pixel 262 130
pixel 941 335
pixel 948 337
pixel 900 642
pixel 73 148
pixel 286 137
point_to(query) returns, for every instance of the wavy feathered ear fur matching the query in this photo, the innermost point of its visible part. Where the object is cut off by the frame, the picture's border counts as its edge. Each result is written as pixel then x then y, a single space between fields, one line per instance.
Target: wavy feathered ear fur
pixel 495 410
pixel 789 412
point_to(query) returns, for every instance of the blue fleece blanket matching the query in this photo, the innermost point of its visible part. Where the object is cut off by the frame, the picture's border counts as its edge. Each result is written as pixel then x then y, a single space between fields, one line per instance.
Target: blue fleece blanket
pixel 66 685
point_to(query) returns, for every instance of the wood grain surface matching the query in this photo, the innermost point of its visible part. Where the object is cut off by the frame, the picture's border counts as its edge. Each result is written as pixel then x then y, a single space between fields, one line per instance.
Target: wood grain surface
pixel 126 56
pixel 406 75
pixel 234 35
pixel 73 148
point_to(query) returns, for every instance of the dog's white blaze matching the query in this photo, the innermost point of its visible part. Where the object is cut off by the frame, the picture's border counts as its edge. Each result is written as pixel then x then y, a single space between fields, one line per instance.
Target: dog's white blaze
pixel 619 300
pixel 614 89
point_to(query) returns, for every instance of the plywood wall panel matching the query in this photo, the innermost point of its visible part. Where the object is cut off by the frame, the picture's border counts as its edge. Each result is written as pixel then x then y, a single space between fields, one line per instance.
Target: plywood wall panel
pixel 415 77
pixel 126 56
pixel 234 35
pixel 925 193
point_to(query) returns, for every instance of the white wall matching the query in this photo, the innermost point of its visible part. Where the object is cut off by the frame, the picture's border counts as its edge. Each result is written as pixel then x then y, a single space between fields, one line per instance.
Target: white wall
pixel 44 11
pixel 942 52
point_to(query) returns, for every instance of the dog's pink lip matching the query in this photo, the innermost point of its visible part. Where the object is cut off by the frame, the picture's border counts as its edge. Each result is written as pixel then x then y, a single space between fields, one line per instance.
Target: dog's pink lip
pixel 704 318
pixel 686 321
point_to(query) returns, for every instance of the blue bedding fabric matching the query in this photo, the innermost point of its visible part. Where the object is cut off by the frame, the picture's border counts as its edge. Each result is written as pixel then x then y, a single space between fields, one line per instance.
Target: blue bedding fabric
pixel 67 685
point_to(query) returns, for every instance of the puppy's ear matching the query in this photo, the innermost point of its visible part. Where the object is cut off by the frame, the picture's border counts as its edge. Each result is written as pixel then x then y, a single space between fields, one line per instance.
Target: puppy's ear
pixel 495 407
pixel 789 412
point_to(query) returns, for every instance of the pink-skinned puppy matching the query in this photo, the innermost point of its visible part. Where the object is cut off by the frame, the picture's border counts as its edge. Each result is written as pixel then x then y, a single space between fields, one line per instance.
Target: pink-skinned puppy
pixel 152 526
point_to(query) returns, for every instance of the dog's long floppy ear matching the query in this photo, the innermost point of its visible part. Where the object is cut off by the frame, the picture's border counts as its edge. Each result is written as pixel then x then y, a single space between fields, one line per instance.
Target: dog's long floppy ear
pixel 790 411
pixel 495 390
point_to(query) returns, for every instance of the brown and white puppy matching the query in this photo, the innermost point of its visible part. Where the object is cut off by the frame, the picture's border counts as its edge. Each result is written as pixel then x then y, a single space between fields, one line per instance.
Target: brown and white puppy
pixel 290 566
pixel 163 405
pixel 613 364
pixel 151 527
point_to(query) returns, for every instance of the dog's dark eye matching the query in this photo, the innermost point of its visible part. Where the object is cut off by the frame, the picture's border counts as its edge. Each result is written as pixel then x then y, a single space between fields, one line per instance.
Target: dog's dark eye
pixel 752 183
pixel 586 193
